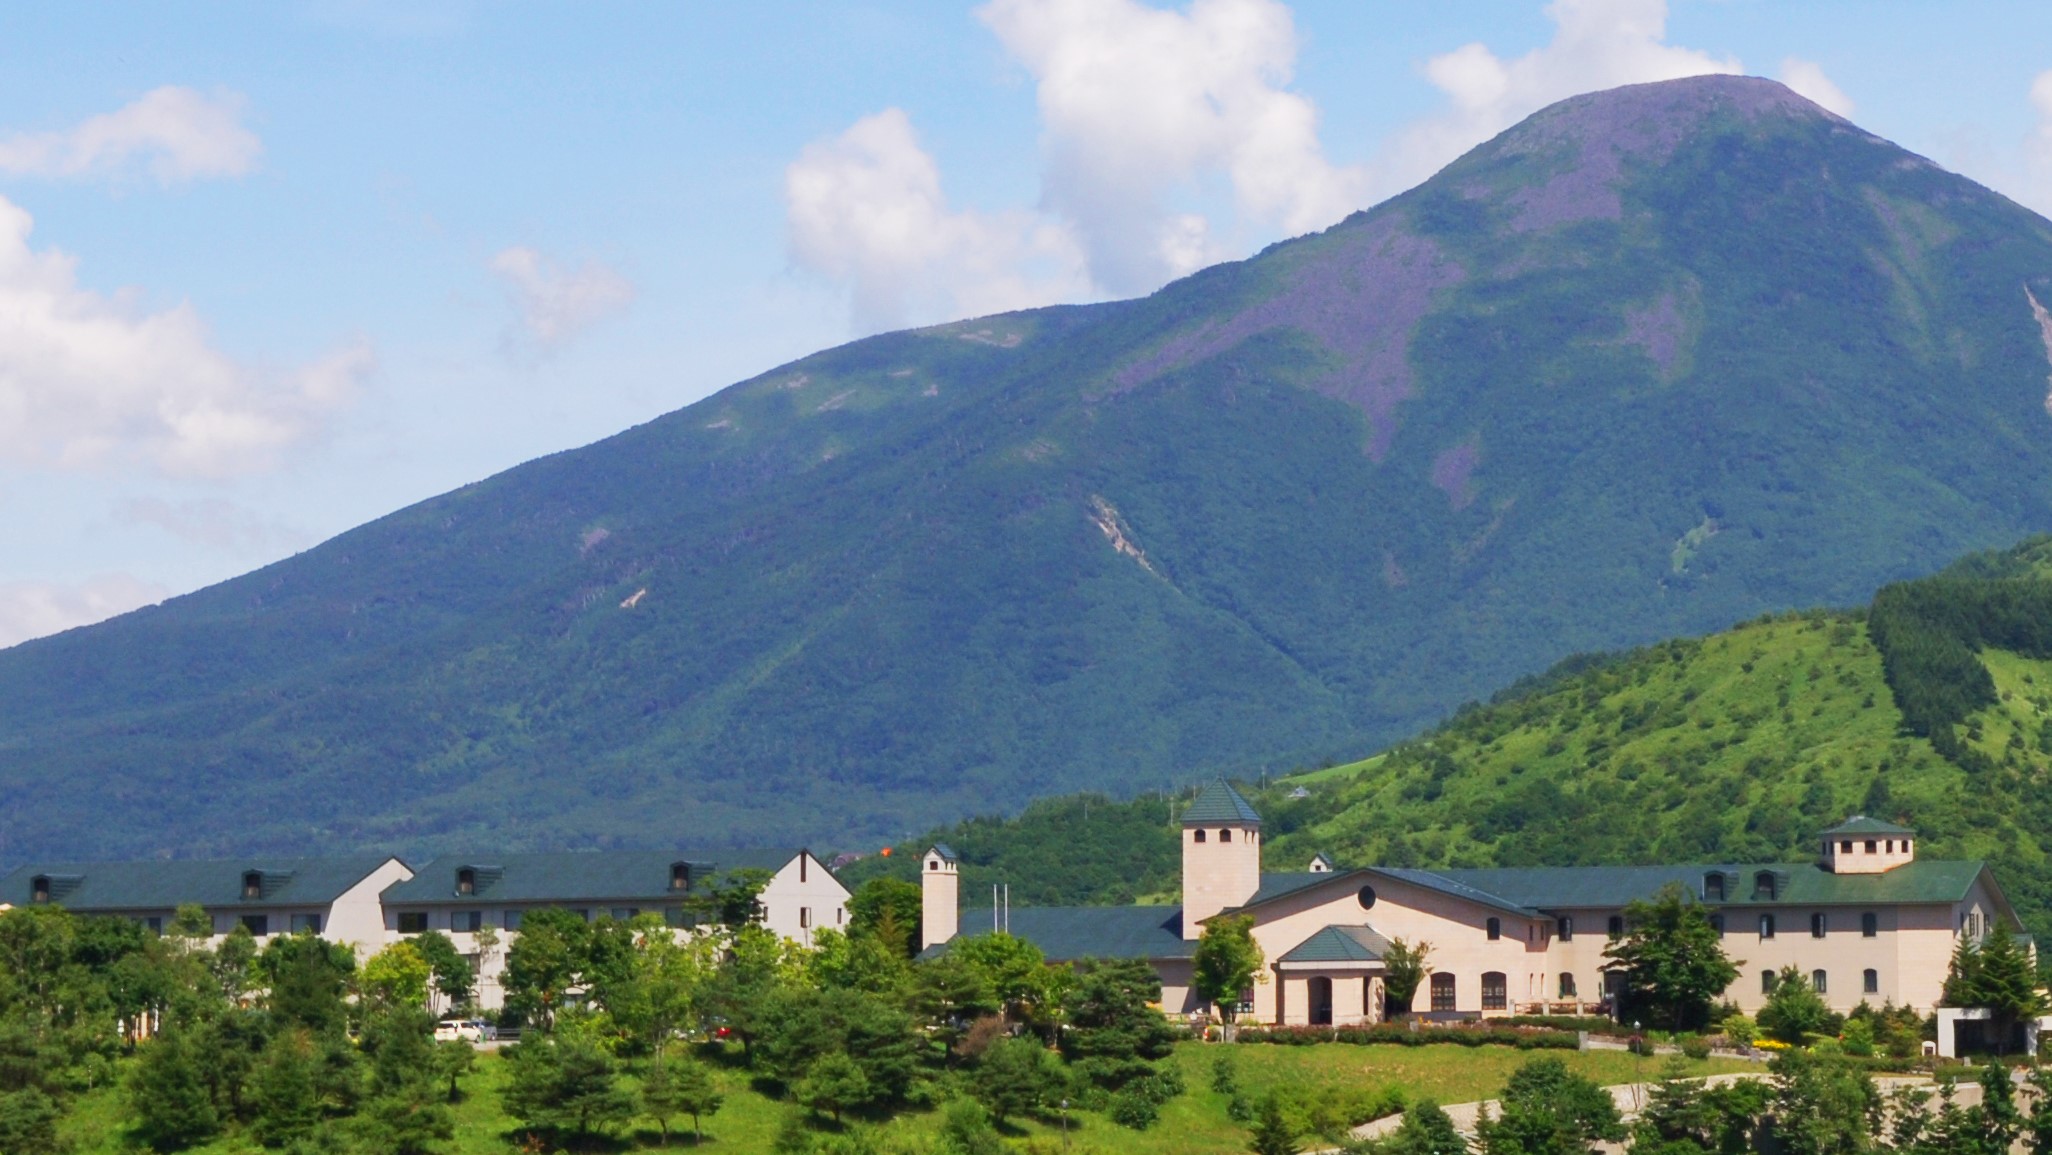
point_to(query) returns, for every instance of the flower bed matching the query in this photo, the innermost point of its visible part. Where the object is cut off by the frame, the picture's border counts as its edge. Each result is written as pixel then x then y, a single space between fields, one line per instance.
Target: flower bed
pixel 1402 1035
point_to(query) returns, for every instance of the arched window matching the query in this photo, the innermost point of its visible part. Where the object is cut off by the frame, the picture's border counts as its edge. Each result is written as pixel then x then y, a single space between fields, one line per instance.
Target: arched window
pixel 1197 836
pixel 1766 982
pixel 1817 925
pixel 1870 925
pixel 1766 926
pixel 1713 887
pixel 1567 985
pixel 1870 981
pixel 1495 991
pixel 1763 885
pixel 1225 836
pixel 1615 928
pixel 1442 992
pixel 1817 981
pixel 1495 926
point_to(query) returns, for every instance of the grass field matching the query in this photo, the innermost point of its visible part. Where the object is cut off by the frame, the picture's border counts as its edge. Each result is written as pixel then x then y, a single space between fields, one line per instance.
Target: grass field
pixel 1195 1123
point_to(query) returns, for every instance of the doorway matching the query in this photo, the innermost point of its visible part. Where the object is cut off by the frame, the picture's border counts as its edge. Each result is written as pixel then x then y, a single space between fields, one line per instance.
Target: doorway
pixel 1321 1001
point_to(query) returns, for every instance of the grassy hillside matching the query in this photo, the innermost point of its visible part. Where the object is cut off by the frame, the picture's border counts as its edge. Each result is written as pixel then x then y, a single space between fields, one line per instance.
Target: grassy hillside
pixel 1738 746
pixel 1654 361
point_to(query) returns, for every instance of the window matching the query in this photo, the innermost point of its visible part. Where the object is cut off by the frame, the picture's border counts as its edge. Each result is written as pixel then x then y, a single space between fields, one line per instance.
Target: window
pixel 680 875
pixel 258 924
pixel 1763 885
pixel 155 923
pixel 1225 836
pixel 1869 925
pixel 1713 888
pixel 935 864
pixel 837 916
pixel 1567 985
pixel 1495 926
pixel 253 884
pixel 1197 836
pixel 1817 925
pixel 804 916
pixel 1615 927
pixel 801 867
pixel 1870 981
pixel 467 920
pixel 1442 992
pixel 1717 924
pixel 583 912
pixel 39 890
pixel 1872 846
pixel 511 921
pixel 1366 896
pixel 308 923
pixel 1845 846
pixel 1495 991
pixel 1766 982
pixel 412 921
pixel 466 881
pixel 1766 926
pixel 1817 981
pixel 1565 928
pixel 623 913
pixel 1891 846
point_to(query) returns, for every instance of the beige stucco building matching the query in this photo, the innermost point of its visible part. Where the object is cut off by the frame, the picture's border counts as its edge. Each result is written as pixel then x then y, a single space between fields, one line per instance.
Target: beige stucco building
pixel 1867 920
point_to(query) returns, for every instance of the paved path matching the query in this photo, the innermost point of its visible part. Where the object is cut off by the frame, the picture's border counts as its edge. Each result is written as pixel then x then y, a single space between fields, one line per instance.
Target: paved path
pixel 1630 1097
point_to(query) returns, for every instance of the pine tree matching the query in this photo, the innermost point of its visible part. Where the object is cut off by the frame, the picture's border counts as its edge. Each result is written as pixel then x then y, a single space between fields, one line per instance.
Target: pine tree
pixel 1426 1130
pixel 168 1095
pixel 284 1092
pixel 1272 1134
pixel 834 1084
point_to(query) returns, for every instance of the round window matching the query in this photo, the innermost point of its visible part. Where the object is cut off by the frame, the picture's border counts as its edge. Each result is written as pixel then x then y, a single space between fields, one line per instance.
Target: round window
pixel 1367 897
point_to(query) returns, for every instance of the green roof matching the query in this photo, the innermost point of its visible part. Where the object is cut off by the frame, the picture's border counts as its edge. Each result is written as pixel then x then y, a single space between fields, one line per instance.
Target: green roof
pixel 591 876
pixel 1065 933
pixel 1219 802
pixel 165 885
pixel 1861 824
pixel 1339 944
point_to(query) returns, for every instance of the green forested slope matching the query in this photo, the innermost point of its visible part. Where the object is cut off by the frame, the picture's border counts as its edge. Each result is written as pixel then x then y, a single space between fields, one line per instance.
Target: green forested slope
pixel 1656 360
pixel 1735 747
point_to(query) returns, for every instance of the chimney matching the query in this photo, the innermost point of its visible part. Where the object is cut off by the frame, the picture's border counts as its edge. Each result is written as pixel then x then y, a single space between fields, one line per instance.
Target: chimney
pixel 940 904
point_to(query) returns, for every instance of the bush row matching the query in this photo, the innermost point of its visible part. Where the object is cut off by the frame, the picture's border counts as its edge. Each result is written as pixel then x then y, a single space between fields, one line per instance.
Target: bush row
pixel 1402 1035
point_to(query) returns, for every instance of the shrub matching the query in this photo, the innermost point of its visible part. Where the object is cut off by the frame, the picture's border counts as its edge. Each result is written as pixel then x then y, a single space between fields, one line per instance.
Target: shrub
pixel 1696 1047
pixel 1133 1108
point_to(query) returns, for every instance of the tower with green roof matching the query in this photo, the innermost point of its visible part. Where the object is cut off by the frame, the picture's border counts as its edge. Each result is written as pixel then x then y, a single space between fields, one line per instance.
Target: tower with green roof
pixel 1221 854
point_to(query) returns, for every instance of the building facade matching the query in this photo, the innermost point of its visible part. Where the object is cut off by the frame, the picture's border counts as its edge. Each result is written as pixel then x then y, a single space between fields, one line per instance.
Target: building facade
pixel 1867 920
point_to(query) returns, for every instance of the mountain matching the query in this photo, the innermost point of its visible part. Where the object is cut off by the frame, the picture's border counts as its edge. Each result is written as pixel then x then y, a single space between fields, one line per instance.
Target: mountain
pixel 1651 362
pixel 1738 746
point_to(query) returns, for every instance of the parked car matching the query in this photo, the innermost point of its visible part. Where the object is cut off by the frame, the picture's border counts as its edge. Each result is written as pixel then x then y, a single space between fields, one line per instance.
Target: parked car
pixel 465 1030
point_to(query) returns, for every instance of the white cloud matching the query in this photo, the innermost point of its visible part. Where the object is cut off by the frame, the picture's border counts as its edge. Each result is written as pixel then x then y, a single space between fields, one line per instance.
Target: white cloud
pixel 866 208
pixel 179 134
pixel 554 303
pixel 213 522
pixel 2037 185
pixel 1138 104
pixel 91 381
pixel 1807 78
pixel 35 609
pixel 1596 44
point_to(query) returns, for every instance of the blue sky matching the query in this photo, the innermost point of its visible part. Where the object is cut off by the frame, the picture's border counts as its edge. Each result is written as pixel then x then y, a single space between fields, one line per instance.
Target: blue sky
pixel 268 271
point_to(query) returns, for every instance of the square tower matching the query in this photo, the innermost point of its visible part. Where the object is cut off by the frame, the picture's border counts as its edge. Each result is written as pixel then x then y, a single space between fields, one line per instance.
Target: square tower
pixel 940 896
pixel 1863 845
pixel 1221 854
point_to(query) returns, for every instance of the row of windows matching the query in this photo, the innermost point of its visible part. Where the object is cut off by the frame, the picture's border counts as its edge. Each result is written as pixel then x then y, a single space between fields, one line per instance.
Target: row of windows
pixel 416 921
pixel 1870 982
pixel 1224 835
pixel 1564 926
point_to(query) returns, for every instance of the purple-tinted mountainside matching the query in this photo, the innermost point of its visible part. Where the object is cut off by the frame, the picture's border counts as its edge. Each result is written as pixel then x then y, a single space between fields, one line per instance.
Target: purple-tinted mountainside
pixel 1653 361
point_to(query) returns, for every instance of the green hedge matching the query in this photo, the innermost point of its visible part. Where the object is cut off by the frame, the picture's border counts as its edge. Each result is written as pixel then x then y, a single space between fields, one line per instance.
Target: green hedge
pixel 1401 1035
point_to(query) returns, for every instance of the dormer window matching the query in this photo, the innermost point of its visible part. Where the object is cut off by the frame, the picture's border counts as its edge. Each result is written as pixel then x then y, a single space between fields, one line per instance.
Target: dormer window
pixel 1763 885
pixel 39 889
pixel 1713 887
pixel 253 884
pixel 680 874
pixel 466 881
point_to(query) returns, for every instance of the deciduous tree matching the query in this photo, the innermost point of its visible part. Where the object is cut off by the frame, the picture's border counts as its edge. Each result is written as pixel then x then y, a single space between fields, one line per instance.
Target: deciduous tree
pixel 1227 963
pixel 1671 960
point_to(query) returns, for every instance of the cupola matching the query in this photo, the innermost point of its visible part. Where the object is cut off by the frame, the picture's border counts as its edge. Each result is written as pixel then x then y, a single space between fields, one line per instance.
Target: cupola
pixel 1863 845
pixel 1221 854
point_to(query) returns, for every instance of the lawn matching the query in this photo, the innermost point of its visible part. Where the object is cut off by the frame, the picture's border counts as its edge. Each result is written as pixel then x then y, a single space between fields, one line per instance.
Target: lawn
pixel 1195 1123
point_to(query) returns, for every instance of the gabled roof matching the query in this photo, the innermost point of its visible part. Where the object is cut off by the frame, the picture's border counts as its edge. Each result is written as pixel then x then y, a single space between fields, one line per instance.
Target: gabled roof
pixel 1339 944
pixel 1219 802
pixel 164 885
pixel 946 852
pixel 1861 824
pixel 595 876
pixel 1066 933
